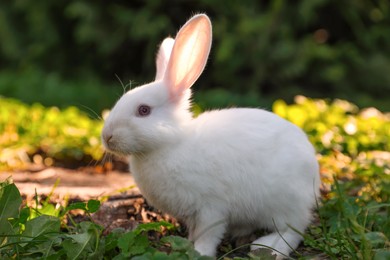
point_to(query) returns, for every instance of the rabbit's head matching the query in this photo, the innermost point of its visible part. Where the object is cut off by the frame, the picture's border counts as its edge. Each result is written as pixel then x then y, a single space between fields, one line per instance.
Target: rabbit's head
pixel 155 114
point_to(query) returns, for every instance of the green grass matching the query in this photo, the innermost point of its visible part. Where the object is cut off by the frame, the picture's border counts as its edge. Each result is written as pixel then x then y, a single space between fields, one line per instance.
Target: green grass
pixel 350 228
pixel 352 219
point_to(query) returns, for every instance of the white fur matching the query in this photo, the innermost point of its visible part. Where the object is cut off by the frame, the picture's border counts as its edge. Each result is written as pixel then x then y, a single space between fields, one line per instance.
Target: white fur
pixel 235 170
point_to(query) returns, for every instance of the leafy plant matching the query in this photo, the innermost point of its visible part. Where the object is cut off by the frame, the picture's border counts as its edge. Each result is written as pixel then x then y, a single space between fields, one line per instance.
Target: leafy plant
pixel 46 135
pixel 338 125
pixel 353 145
pixel 351 228
pixel 38 236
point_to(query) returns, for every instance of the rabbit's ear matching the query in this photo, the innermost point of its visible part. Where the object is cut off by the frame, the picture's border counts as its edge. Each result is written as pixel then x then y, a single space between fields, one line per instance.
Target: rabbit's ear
pixel 163 57
pixel 189 55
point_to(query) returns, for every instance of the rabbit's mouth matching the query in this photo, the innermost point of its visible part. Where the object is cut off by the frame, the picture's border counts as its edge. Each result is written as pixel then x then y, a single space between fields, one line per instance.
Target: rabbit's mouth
pixel 112 146
pixel 118 151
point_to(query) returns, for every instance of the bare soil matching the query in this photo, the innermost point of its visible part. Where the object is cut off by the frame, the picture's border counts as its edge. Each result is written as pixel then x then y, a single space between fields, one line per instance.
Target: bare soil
pixel 83 183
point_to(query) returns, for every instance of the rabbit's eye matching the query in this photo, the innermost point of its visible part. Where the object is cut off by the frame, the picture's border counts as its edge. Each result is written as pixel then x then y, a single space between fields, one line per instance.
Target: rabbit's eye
pixel 144 110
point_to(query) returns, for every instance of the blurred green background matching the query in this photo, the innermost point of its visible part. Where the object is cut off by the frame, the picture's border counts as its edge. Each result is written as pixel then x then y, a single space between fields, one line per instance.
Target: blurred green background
pixel 76 52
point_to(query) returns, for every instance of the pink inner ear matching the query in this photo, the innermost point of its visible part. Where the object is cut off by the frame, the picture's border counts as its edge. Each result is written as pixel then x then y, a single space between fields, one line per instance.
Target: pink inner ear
pixel 189 55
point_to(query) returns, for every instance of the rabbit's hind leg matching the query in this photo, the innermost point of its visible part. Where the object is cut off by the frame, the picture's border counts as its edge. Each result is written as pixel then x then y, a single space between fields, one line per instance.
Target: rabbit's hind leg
pixel 281 243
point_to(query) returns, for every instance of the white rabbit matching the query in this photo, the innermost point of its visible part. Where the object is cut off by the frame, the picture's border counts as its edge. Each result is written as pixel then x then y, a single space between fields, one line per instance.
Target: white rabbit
pixel 228 171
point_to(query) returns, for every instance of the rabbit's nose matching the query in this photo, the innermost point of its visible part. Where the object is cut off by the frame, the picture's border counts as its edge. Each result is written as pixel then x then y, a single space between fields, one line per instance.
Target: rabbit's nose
pixel 107 137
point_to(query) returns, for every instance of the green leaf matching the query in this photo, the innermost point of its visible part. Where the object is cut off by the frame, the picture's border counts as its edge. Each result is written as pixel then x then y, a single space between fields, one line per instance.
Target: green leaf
pixel 24 214
pixel 152 226
pixel 85 243
pixel 93 205
pixel 77 205
pixel 42 225
pixel 78 245
pixel 111 240
pixel 140 245
pixel 184 248
pixel 382 254
pixel 120 257
pixel 377 239
pixel 126 241
pixel 155 256
pixel 49 209
pixel 10 201
pixel 178 243
pixel 132 244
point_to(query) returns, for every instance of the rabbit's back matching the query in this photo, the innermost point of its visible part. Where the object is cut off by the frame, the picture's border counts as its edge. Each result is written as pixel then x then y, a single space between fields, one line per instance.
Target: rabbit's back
pixel 267 165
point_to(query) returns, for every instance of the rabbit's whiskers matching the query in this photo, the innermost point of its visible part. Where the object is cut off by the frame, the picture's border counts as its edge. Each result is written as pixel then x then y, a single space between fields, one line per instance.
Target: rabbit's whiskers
pixel 124 87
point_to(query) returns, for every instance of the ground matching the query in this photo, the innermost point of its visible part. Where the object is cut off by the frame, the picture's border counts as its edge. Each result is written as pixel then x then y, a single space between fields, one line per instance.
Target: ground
pixel 123 205
pixel 83 183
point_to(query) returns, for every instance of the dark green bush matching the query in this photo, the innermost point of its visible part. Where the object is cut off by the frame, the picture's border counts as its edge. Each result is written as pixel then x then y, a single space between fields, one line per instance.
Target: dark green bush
pixel 267 49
